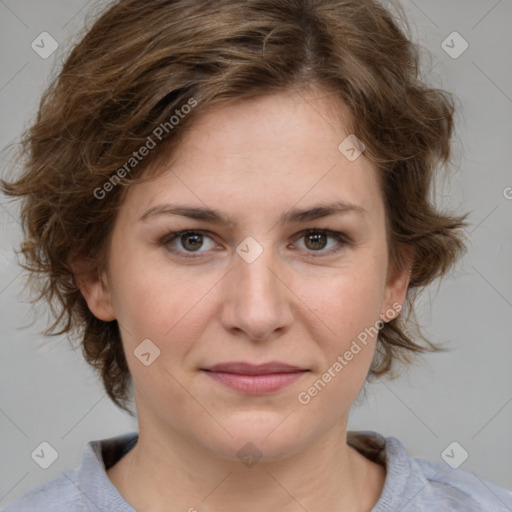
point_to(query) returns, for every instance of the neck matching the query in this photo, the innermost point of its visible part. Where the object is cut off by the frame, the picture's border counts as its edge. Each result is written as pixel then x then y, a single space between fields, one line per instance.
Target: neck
pixel 165 468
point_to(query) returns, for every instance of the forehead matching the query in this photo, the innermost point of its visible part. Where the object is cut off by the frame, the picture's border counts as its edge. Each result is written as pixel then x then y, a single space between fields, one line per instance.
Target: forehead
pixel 272 153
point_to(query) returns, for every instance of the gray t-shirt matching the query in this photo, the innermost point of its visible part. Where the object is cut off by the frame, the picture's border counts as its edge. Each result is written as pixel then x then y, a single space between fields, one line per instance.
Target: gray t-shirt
pixel 411 485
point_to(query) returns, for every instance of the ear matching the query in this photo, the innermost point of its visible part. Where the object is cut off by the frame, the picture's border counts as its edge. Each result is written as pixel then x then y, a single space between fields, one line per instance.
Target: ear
pixel 94 288
pixel 399 276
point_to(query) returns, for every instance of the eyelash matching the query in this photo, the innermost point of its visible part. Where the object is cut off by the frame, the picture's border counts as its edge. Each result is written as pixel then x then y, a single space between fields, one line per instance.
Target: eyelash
pixel 340 237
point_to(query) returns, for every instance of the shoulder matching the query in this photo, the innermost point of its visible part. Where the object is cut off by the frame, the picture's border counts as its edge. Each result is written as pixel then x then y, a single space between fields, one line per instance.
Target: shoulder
pixel 84 488
pixel 414 484
pixel 461 490
pixel 55 496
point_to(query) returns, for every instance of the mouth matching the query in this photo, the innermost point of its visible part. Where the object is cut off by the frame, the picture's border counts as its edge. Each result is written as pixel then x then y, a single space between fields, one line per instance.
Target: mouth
pixel 255 379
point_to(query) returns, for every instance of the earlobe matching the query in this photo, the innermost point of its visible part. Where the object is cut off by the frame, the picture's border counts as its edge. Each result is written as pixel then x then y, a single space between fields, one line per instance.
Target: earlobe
pixel 94 289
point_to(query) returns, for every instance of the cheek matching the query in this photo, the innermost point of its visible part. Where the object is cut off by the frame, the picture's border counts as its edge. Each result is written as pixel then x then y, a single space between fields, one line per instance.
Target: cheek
pixel 347 300
pixel 167 307
pixel 349 308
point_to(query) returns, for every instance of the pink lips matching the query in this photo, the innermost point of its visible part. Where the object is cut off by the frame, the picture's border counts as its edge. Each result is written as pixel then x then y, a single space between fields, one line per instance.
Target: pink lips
pixel 255 379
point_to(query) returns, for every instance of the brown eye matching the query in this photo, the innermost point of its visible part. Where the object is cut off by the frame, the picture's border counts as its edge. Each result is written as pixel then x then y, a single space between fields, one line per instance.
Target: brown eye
pixel 186 242
pixel 316 241
pixel 191 241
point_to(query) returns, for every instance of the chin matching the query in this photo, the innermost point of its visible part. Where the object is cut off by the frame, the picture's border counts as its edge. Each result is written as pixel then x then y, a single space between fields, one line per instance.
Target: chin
pixel 260 434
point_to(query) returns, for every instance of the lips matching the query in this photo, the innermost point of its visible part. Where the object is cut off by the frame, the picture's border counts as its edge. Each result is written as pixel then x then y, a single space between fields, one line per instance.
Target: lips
pixel 243 368
pixel 253 379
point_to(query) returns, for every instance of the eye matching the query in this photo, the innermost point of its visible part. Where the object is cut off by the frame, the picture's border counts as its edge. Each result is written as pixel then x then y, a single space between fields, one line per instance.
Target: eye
pixel 191 241
pixel 316 240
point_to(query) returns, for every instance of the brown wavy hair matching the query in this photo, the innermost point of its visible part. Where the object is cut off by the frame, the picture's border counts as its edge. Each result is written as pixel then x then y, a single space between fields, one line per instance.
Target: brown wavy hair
pixel 142 61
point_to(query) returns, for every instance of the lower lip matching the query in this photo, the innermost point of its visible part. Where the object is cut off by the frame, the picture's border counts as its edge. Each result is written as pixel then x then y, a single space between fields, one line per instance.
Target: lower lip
pixel 256 384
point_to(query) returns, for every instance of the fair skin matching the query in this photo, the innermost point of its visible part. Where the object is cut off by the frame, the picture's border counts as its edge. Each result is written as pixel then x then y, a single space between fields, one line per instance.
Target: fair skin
pixel 299 302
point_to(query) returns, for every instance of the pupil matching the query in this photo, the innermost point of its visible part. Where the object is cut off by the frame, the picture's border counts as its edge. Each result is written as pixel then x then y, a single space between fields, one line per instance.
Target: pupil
pixel 198 241
pixel 315 237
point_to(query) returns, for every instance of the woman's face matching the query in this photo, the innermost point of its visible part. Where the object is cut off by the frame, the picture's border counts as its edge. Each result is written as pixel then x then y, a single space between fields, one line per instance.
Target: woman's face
pixel 255 290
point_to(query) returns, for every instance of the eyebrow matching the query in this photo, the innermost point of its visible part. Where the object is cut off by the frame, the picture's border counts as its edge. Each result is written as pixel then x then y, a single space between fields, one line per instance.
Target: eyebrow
pixel 292 216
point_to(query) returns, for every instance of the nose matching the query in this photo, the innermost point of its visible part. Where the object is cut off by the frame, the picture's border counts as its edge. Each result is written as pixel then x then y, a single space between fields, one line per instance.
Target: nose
pixel 257 300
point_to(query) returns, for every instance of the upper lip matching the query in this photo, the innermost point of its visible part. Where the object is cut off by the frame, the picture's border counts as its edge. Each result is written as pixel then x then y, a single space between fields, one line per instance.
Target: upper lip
pixel 243 368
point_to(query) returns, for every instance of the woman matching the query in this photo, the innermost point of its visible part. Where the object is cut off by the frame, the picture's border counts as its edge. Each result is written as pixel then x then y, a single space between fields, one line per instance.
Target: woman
pixel 229 202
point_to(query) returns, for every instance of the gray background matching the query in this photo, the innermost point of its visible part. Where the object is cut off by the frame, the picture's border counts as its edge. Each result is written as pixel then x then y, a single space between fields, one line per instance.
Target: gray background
pixel 49 394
